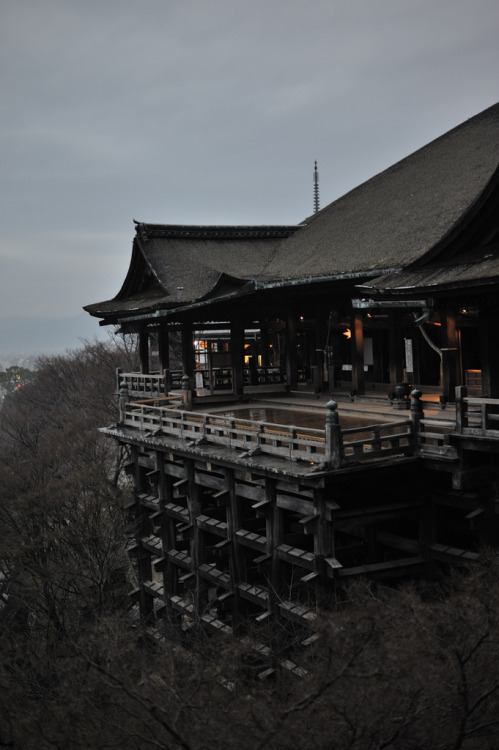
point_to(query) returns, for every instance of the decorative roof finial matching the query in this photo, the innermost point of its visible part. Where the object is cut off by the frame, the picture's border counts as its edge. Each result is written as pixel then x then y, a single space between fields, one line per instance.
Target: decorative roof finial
pixel 316 189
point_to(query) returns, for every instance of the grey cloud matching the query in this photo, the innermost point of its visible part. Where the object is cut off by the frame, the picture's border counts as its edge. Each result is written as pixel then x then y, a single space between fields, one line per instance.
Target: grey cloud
pixel 211 112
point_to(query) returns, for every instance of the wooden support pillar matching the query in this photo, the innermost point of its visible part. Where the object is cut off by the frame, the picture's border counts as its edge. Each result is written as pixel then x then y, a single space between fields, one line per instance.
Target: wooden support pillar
pixel 451 376
pixel 237 355
pixel 168 530
pixel 144 350
pixel 236 559
pixel 143 529
pixel 194 507
pixel 264 341
pixel 396 349
pixel 489 345
pixel 323 535
pixel 291 364
pixel 164 349
pixel 188 360
pixel 318 355
pixel 358 377
pixel 275 531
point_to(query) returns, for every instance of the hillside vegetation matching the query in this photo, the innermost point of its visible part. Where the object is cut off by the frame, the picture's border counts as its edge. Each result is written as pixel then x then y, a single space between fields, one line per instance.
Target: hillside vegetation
pixel 408 669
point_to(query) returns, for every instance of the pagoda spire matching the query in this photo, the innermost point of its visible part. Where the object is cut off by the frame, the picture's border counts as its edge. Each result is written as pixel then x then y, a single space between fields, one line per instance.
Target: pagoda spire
pixel 316 189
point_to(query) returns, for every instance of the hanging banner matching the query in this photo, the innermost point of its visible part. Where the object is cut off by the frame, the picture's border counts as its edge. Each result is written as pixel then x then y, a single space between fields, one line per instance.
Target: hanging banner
pixel 409 366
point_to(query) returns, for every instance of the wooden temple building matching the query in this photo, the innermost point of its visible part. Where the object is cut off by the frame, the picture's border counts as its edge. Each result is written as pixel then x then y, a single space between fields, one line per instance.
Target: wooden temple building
pixel 390 291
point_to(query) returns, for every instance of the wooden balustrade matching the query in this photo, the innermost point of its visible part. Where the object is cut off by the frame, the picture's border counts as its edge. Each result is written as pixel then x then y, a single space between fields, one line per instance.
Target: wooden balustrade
pixel 329 448
pixel 145 384
pixel 476 415
pixel 216 380
pixel 378 440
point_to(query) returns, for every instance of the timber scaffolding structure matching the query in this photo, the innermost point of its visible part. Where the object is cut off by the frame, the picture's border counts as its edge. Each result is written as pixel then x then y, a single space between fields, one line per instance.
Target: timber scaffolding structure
pixel 241 521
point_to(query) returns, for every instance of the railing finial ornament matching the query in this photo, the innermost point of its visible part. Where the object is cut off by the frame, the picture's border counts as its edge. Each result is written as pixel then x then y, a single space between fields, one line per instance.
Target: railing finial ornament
pixel 123 399
pixel 334 441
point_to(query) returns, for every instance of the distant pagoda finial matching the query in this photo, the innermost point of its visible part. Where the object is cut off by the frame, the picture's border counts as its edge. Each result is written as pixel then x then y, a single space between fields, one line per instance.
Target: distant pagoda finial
pixel 316 189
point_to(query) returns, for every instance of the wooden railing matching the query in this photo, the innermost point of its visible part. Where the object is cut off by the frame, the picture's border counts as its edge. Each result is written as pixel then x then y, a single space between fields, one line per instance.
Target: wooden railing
pixel 250 437
pixel 141 384
pixel 476 416
pixel 218 379
pixel 328 448
pixel 377 440
pixel 433 439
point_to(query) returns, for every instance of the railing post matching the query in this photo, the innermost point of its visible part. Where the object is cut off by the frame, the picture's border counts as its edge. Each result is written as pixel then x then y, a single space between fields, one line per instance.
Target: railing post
pixel 417 414
pixel 334 441
pixel 123 399
pixel 292 438
pixel 260 435
pixel 167 382
pixel 186 393
pixel 461 396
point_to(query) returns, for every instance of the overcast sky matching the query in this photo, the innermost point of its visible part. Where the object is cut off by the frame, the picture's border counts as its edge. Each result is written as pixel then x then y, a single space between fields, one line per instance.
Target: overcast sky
pixel 209 111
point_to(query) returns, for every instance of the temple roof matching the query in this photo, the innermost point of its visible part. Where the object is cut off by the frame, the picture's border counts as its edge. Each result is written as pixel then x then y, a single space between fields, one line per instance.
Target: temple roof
pixel 394 219
pixel 174 265
pixel 413 214
pixel 472 272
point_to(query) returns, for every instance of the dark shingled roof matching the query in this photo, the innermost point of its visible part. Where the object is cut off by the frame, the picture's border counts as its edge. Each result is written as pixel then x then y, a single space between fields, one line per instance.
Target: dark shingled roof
pixel 476 272
pixel 190 263
pixel 399 220
pixel 393 219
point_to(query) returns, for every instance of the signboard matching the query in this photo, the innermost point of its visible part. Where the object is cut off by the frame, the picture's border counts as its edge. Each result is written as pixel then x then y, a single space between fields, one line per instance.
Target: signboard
pixel 409 364
pixel 199 381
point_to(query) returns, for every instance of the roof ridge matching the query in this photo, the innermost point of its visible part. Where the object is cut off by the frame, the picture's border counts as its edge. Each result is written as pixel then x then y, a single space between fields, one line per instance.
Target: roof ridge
pixel 212 231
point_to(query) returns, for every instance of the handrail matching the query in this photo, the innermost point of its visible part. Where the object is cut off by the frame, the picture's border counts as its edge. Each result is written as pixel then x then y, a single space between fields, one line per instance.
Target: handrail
pixel 294 443
pixel 476 415
pixel 325 448
pixel 331 448
pixel 383 439
pixel 214 379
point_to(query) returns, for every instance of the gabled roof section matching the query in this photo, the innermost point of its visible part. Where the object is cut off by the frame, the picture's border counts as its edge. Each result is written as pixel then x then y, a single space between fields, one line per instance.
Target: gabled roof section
pixel 410 210
pixel 475 270
pixel 175 265
pixel 428 211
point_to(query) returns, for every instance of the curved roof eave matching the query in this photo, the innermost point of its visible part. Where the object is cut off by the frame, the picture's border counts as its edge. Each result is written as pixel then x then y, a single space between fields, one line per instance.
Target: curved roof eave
pixel 249 288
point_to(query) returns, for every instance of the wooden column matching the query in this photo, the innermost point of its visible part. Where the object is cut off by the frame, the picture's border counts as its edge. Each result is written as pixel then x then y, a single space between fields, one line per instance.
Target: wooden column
pixel 489 346
pixel 275 536
pixel 143 528
pixel 264 342
pixel 237 355
pixel 236 555
pixel 291 365
pixel 187 350
pixel 318 352
pixel 197 545
pixel 144 350
pixel 323 536
pixel 164 349
pixel 396 349
pixel 450 360
pixel 168 538
pixel 358 377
